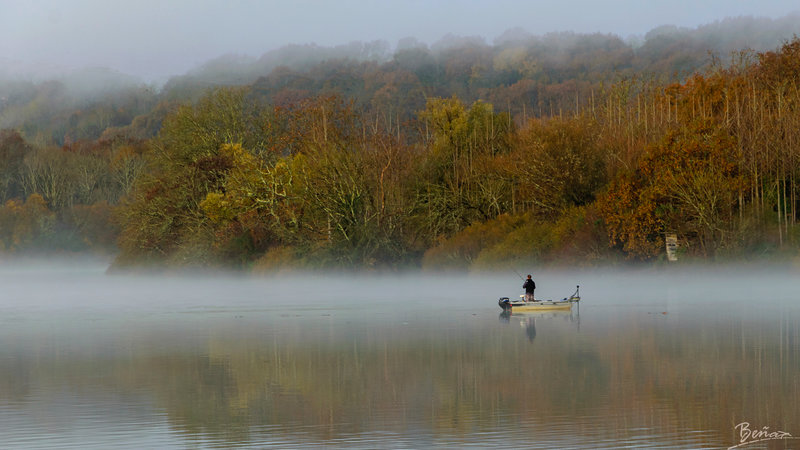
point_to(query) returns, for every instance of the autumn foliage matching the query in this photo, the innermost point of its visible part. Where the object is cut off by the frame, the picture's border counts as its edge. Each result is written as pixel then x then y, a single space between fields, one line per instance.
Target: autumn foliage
pixel 687 184
pixel 360 165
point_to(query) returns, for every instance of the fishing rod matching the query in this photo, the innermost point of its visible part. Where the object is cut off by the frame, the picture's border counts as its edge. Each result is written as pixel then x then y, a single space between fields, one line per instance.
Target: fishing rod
pixel 521 277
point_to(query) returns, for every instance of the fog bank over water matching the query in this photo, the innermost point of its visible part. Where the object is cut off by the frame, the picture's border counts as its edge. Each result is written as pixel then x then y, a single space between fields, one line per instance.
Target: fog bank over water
pixel 75 281
pixel 81 302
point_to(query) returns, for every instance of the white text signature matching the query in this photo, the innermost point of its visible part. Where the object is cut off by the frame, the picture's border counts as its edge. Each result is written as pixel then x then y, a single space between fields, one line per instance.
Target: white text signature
pixel 750 436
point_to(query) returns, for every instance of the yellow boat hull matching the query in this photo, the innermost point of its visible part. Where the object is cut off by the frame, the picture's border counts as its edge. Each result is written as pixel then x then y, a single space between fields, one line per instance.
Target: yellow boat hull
pixel 518 306
pixel 538 306
pixel 544 305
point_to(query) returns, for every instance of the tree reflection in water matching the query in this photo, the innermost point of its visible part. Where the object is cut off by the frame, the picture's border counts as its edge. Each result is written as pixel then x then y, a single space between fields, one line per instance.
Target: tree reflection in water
pixel 244 377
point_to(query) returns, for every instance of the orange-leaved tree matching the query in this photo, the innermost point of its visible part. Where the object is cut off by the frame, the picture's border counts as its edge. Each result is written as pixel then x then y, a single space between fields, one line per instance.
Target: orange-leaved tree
pixel 687 184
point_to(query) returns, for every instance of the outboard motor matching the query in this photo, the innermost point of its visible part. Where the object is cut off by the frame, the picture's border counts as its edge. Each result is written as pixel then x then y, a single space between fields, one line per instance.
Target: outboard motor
pixel 504 303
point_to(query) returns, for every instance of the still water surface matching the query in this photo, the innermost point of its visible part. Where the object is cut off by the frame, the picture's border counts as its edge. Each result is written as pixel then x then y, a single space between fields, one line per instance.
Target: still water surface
pixel 651 359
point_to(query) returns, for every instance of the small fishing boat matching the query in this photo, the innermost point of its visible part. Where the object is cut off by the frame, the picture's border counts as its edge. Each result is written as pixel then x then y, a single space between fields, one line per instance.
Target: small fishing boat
pixel 521 305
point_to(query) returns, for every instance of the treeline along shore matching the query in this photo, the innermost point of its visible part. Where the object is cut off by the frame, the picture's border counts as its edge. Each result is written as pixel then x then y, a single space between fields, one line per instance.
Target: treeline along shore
pixel 561 149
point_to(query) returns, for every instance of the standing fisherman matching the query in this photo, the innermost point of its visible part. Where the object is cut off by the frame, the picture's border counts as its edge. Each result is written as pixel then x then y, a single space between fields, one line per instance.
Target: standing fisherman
pixel 529 287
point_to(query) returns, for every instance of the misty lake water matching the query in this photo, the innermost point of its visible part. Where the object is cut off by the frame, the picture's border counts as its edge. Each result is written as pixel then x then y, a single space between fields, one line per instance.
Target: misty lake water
pixel 658 358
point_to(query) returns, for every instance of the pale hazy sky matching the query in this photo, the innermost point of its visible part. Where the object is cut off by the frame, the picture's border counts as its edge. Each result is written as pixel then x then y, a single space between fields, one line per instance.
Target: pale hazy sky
pixel 154 39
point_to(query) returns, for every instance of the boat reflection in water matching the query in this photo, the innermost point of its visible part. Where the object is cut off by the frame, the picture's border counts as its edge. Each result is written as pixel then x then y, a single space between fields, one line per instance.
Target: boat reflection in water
pixel 527 319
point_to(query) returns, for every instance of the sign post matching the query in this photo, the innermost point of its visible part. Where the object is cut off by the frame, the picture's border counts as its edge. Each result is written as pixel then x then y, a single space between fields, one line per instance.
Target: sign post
pixel 672 246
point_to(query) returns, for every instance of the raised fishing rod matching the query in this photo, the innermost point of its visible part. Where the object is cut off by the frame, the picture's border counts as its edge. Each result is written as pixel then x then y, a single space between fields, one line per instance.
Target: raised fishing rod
pixel 523 279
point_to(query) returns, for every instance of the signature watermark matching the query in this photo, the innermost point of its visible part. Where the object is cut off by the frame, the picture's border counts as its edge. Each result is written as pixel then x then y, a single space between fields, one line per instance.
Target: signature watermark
pixel 751 435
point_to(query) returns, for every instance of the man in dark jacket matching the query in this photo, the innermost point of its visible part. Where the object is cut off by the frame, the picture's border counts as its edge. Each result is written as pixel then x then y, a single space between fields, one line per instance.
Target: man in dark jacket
pixel 529 287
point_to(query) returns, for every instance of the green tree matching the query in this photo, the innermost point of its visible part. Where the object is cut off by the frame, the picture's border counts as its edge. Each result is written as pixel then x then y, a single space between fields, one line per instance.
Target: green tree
pixel 13 150
pixel 163 219
pixel 458 182
pixel 556 163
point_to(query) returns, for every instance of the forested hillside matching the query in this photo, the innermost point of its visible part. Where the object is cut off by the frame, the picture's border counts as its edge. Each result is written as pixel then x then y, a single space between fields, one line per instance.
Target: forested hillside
pixel 555 149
